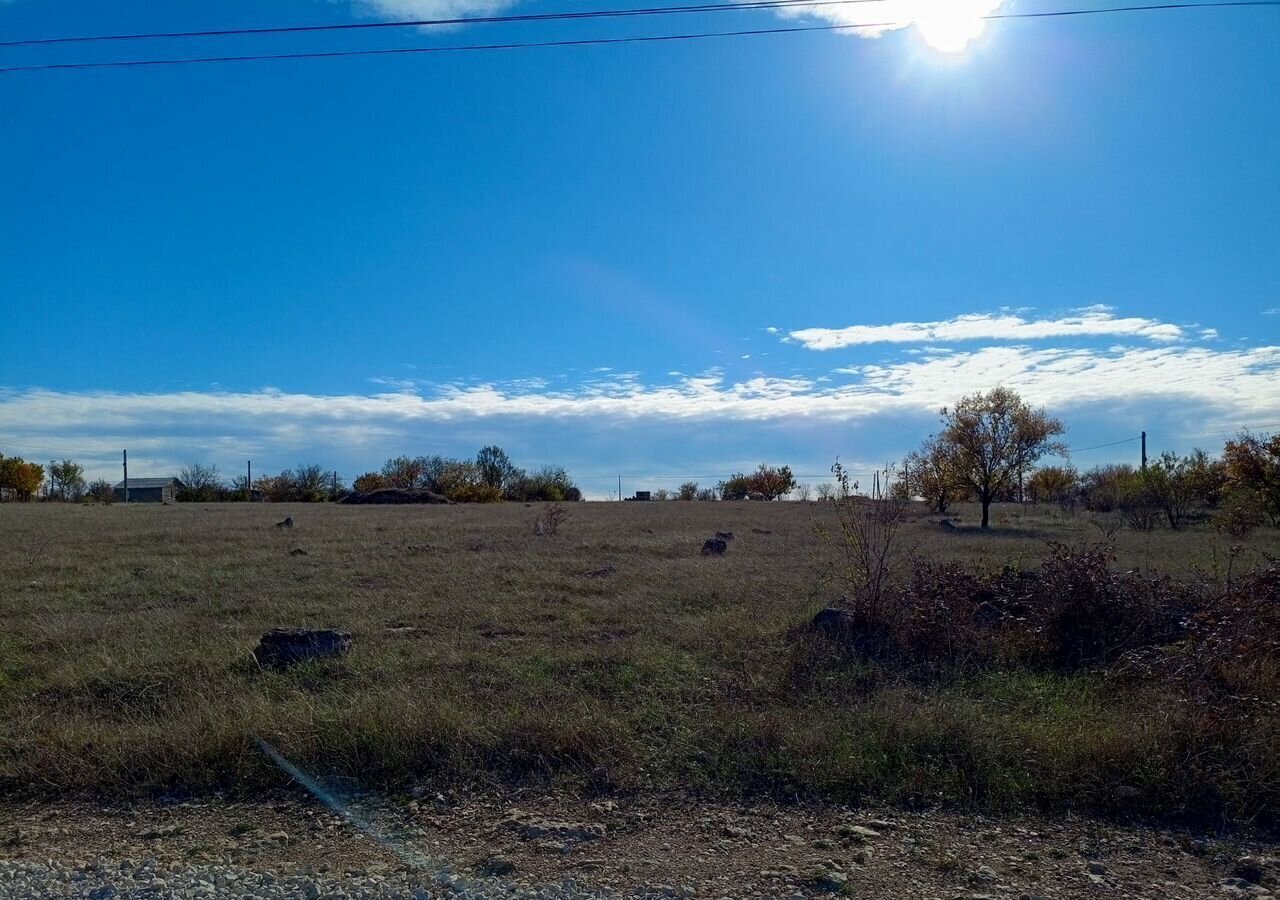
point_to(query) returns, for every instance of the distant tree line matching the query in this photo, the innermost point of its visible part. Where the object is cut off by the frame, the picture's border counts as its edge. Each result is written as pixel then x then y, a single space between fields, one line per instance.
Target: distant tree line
pixel 488 478
pixel 987 450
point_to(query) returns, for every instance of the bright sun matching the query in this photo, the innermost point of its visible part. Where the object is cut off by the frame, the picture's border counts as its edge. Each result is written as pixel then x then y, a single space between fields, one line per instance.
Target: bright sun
pixel 949 25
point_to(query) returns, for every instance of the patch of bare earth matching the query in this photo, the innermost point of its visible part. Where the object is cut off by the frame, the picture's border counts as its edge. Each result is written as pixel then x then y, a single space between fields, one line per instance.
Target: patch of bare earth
pixel 694 848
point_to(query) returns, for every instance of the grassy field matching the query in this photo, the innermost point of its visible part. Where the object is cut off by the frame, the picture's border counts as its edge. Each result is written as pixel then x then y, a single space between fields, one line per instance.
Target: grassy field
pixel 484 653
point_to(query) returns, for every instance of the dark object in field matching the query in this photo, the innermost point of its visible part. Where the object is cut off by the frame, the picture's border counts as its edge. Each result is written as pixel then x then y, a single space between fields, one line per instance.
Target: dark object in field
pixel 761 531
pixel 281 647
pixel 287 523
pixel 832 621
pixel 297 551
pixel 603 572
pixel 724 535
pixel 947 525
pixel 396 495
pixel 715 547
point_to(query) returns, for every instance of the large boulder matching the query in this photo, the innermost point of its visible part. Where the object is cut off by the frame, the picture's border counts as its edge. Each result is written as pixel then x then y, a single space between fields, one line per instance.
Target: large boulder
pixel 281 647
pixel 715 547
pixel 832 621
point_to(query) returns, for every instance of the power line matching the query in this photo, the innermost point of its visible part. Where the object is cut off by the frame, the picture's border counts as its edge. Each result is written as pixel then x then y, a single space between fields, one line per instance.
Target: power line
pixel 590 42
pixel 1100 446
pixel 424 23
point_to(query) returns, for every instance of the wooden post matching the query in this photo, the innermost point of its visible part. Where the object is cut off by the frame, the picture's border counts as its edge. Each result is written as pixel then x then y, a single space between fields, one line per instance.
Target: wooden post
pixel 126 476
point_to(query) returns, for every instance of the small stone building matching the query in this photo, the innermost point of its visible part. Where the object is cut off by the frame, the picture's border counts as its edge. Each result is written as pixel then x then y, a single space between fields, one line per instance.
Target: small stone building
pixel 149 490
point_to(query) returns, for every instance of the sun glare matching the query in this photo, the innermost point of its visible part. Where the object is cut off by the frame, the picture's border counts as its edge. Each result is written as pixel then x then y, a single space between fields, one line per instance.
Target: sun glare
pixel 950 25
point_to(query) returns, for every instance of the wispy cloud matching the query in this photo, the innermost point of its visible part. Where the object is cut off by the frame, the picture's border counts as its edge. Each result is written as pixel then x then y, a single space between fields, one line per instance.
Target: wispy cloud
pixel 1241 385
pixel 413 10
pixel 1089 322
pixel 950 21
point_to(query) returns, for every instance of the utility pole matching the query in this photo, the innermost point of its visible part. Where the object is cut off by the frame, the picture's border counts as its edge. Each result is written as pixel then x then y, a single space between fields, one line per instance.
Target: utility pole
pixel 248 484
pixel 619 487
pixel 126 476
pixel 1144 450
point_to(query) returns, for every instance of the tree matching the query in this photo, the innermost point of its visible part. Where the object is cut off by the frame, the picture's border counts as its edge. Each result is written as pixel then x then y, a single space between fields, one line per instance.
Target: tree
pixel 313 484
pixel 687 491
pixel 200 483
pixel 826 491
pixel 1054 484
pixel 1169 483
pixel 101 491
pixel 404 472
pixel 803 492
pixel 707 495
pixel 736 487
pixel 20 477
pixel 991 439
pixel 771 481
pixel 369 481
pixel 928 473
pixel 1252 465
pixel 66 480
pixel 495 468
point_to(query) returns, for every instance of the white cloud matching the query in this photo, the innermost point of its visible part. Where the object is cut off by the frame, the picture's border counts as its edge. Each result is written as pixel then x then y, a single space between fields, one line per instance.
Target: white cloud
pixel 949 23
pixel 1232 385
pixel 1088 322
pixel 1273 311
pixel 414 10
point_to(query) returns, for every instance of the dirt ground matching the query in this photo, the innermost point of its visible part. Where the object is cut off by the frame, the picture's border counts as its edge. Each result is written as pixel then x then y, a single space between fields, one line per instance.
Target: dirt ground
pixel 712 849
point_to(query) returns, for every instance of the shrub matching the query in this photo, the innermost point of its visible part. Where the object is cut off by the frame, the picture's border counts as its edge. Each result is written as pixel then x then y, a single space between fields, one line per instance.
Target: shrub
pixel 369 482
pixel 1240 513
pixel 101 491
pixel 736 487
pixel 473 492
pixel 865 542
pixel 687 491
pixel 771 482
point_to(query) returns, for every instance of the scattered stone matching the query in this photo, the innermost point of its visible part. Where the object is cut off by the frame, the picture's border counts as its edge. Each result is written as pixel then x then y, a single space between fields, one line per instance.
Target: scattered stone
pixel 724 535
pixel 287 523
pixel 984 875
pixel 298 551
pixel 761 531
pixel 829 881
pixel 715 547
pixel 603 572
pixel 738 832
pixel 1250 869
pixel 497 865
pixel 532 828
pixel 153 832
pixel 282 647
pixel 860 832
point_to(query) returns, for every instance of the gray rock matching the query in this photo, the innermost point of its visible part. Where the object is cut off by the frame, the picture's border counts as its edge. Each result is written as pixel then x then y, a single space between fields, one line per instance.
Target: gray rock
pixel 281 647
pixel 715 547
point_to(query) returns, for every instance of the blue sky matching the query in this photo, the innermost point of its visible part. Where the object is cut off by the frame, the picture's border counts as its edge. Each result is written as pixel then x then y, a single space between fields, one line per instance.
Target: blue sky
pixel 677 258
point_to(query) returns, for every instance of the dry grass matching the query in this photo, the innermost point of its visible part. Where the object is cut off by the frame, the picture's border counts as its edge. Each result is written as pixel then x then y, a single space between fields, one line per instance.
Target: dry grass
pixel 484 652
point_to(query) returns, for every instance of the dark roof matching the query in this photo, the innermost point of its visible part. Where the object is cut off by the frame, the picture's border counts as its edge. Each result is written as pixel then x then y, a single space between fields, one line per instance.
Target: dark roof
pixel 150 483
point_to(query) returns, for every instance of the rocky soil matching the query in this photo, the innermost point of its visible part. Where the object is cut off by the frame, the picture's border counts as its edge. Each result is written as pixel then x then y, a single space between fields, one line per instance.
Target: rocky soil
pixel 564 847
